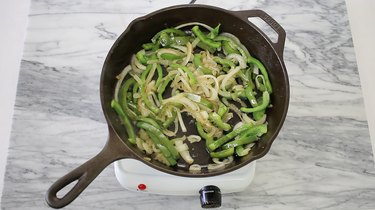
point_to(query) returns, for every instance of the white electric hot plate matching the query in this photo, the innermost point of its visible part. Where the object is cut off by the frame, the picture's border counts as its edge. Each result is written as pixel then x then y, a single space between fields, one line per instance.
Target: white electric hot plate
pixel 137 176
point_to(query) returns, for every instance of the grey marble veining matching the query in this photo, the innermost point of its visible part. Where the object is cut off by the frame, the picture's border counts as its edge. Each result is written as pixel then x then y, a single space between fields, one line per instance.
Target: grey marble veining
pixel 322 158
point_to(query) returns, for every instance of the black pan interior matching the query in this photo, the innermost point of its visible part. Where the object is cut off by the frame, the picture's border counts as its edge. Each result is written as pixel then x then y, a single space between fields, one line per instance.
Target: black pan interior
pixel 142 30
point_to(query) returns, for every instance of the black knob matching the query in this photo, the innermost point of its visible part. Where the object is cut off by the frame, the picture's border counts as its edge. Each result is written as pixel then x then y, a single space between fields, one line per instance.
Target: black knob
pixel 210 197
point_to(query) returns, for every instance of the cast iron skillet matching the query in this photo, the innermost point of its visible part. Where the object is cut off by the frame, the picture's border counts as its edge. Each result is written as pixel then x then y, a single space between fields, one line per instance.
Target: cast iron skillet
pixel 141 31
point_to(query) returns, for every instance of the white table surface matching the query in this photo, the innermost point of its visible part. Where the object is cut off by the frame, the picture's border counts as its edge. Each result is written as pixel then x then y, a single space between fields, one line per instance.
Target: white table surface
pixel 13 23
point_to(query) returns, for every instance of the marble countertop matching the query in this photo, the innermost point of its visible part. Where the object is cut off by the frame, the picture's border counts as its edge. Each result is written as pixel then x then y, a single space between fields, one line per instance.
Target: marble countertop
pixel 322 158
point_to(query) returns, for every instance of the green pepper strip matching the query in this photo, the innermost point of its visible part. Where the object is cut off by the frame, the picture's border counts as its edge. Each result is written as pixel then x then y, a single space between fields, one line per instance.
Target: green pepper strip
pixel 259 114
pixel 263 105
pixel 222 109
pixel 140 55
pixel 170 56
pixel 216 119
pixel 206 103
pixel 163 139
pixel 222 153
pixel 151 57
pixel 145 72
pixel 198 64
pixel 170 120
pixel 135 90
pixel 180 40
pixel 204 46
pixel 192 78
pixel 144 96
pixel 204 135
pixel 149 121
pixel 240 141
pixel 125 120
pixel 123 99
pixel 224 62
pixel 164 40
pixel 214 32
pixel 249 79
pixel 259 84
pixel 204 38
pixel 253 101
pixel 148 46
pixel 147 101
pixel 160 75
pixel 263 70
pixel 162 87
pixel 164 150
pixel 222 140
pixel 167 31
pixel 229 49
pixel 248 136
pixel 234 44
pixel 250 96
pixel 240 151
pixel 134 108
pixel 238 94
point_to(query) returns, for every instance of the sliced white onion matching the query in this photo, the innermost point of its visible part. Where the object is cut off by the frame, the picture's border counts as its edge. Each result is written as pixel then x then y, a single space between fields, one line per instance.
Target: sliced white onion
pixel 234 109
pixel 241 61
pixel 139 142
pixel 183 49
pixel 180 146
pixel 195 167
pixel 183 128
pixel 154 148
pixel 160 157
pixel 193 24
pixel 204 114
pixel 214 94
pixel 142 108
pixel 148 148
pixel 249 145
pixel 151 73
pixel 214 166
pixel 136 70
pixel 194 138
pixel 138 64
pixel 245 151
pixel 155 99
pixel 194 97
pixel 247 119
pixel 257 81
pixel 136 78
pixel 227 116
pixel 214 79
pixel 172 133
pixel 229 76
pixel 225 161
pixel 261 120
pixel 183 149
pixel 181 99
pixel 188 54
pixel 120 78
pixel 245 52
pixel 168 50
pixel 256 70
pixel 239 124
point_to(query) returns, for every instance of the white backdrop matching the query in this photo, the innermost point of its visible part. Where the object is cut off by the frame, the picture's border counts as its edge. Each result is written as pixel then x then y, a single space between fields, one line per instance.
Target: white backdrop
pixel 13 23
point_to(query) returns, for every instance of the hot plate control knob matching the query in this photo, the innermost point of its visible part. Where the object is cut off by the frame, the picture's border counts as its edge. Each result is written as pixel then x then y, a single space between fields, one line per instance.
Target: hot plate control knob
pixel 210 196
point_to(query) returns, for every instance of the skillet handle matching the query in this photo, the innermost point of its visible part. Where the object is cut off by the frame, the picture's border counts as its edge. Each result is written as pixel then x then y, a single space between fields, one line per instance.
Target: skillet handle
pixel 279 45
pixel 87 172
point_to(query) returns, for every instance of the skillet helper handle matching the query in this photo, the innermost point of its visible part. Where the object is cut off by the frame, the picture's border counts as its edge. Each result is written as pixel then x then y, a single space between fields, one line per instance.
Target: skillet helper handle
pixel 279 45
pixel 85 174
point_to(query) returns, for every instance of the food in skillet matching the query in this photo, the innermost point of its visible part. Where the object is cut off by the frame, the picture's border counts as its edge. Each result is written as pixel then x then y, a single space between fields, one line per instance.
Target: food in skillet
pixel 209 76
